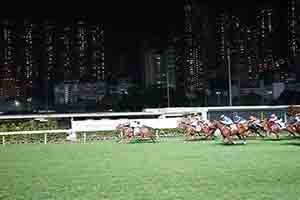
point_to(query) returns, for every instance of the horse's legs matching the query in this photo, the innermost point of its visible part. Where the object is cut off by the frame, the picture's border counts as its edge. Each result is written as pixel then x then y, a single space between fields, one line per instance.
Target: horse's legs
pixel 291 131
pixel 185 133
pixel 208 135
pixel 239 136
pixel 152 136
pixel 276 134
pixel 298 131
pixel 193 133
pixel 121 135
pixel 258 133
pixel 227 136
pixel 229 139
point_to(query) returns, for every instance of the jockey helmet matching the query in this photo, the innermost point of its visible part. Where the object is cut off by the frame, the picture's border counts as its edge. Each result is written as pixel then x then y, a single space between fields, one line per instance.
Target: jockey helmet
pixel 298 114
pixel 222 116
pixel 273 115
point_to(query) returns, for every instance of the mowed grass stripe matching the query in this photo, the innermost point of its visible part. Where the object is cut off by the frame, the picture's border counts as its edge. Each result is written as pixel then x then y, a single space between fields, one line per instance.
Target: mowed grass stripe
pixel 170 169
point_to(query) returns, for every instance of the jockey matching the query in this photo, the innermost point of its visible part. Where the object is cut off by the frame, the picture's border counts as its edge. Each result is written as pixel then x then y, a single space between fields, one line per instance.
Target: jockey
pixel 238 119
pixel 254 122
pixel 190 118
pixel 194 122
pixel 198 117
pixel 126 124
pixel 297 119
pixel 226 120
pixel 274 119
pixel 135 125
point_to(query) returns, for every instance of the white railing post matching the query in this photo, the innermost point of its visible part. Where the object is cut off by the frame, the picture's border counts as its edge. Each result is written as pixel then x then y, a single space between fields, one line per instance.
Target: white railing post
pixel 45 138
pixel 3 140
pixel 285 117
pixel 84 137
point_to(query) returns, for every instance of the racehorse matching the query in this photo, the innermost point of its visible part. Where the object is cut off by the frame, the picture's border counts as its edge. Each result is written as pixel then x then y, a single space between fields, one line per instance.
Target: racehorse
pixel 256 129
pixel 145 132
pixel 271 127
pixel 188 130
pixel 297 127
pixel 293 128
pixel 227 132
pixel 207 129
pixel 242 130
pixel 124 132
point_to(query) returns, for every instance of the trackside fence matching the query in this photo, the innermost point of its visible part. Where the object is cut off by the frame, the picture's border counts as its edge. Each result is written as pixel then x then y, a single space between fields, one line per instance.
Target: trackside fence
pixel 161 118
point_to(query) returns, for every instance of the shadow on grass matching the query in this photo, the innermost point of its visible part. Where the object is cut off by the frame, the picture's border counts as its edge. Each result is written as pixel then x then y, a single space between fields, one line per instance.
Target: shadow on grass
pixel 228 144
pixel 142 141
pixel 256 138
pixel 198 139
pixel 294 143
pixel 282 138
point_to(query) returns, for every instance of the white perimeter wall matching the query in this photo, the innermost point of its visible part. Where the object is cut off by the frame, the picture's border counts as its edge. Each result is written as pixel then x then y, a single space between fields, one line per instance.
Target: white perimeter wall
pixel 107 125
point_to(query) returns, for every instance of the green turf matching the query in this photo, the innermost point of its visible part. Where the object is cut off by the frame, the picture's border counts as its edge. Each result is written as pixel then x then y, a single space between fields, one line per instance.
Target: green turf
pixel 170 170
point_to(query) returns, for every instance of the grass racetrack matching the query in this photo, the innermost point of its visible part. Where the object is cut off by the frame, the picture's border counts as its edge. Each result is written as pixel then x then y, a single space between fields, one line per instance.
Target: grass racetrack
pixel 169 170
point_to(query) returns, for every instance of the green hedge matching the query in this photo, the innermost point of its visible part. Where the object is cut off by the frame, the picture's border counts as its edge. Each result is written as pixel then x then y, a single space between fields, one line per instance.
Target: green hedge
pixel 27 125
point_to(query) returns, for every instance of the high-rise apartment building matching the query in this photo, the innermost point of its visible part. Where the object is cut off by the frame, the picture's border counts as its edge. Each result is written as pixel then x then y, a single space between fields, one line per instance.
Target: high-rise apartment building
pixel 159 66
pixel 7 64
pixel 29 61
pixel 65 61
pixel 265 34
pixel 190 49
pixel 97 67
pixel 34 56
pixel 81 50
pixel 221 38
pixel 252 54
pixel 293 41
pixel 48 68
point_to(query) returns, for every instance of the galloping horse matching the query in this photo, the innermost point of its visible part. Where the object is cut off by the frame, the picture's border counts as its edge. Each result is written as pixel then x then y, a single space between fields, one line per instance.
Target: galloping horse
pixel 227 133
pixel 256 129
pixel 271 127
pixel 145 132
pixel 124 132
pixel 188 130
pixel 242 130
pixel 207 129
pixel 293 128
pixel 297 127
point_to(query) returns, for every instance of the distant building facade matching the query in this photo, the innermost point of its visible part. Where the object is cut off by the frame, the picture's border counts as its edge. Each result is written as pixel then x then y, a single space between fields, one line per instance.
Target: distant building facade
pixel 75 92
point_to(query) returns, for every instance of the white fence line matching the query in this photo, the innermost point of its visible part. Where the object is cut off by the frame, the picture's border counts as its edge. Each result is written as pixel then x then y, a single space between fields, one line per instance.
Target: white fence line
pixel 159 119
pixel 3 134
pixel 108 125
pixel 45 132
pixel 33 132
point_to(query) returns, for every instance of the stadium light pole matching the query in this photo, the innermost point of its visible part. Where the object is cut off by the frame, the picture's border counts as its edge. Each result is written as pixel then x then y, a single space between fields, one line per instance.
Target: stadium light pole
pixel 229 73
pixel 168 89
